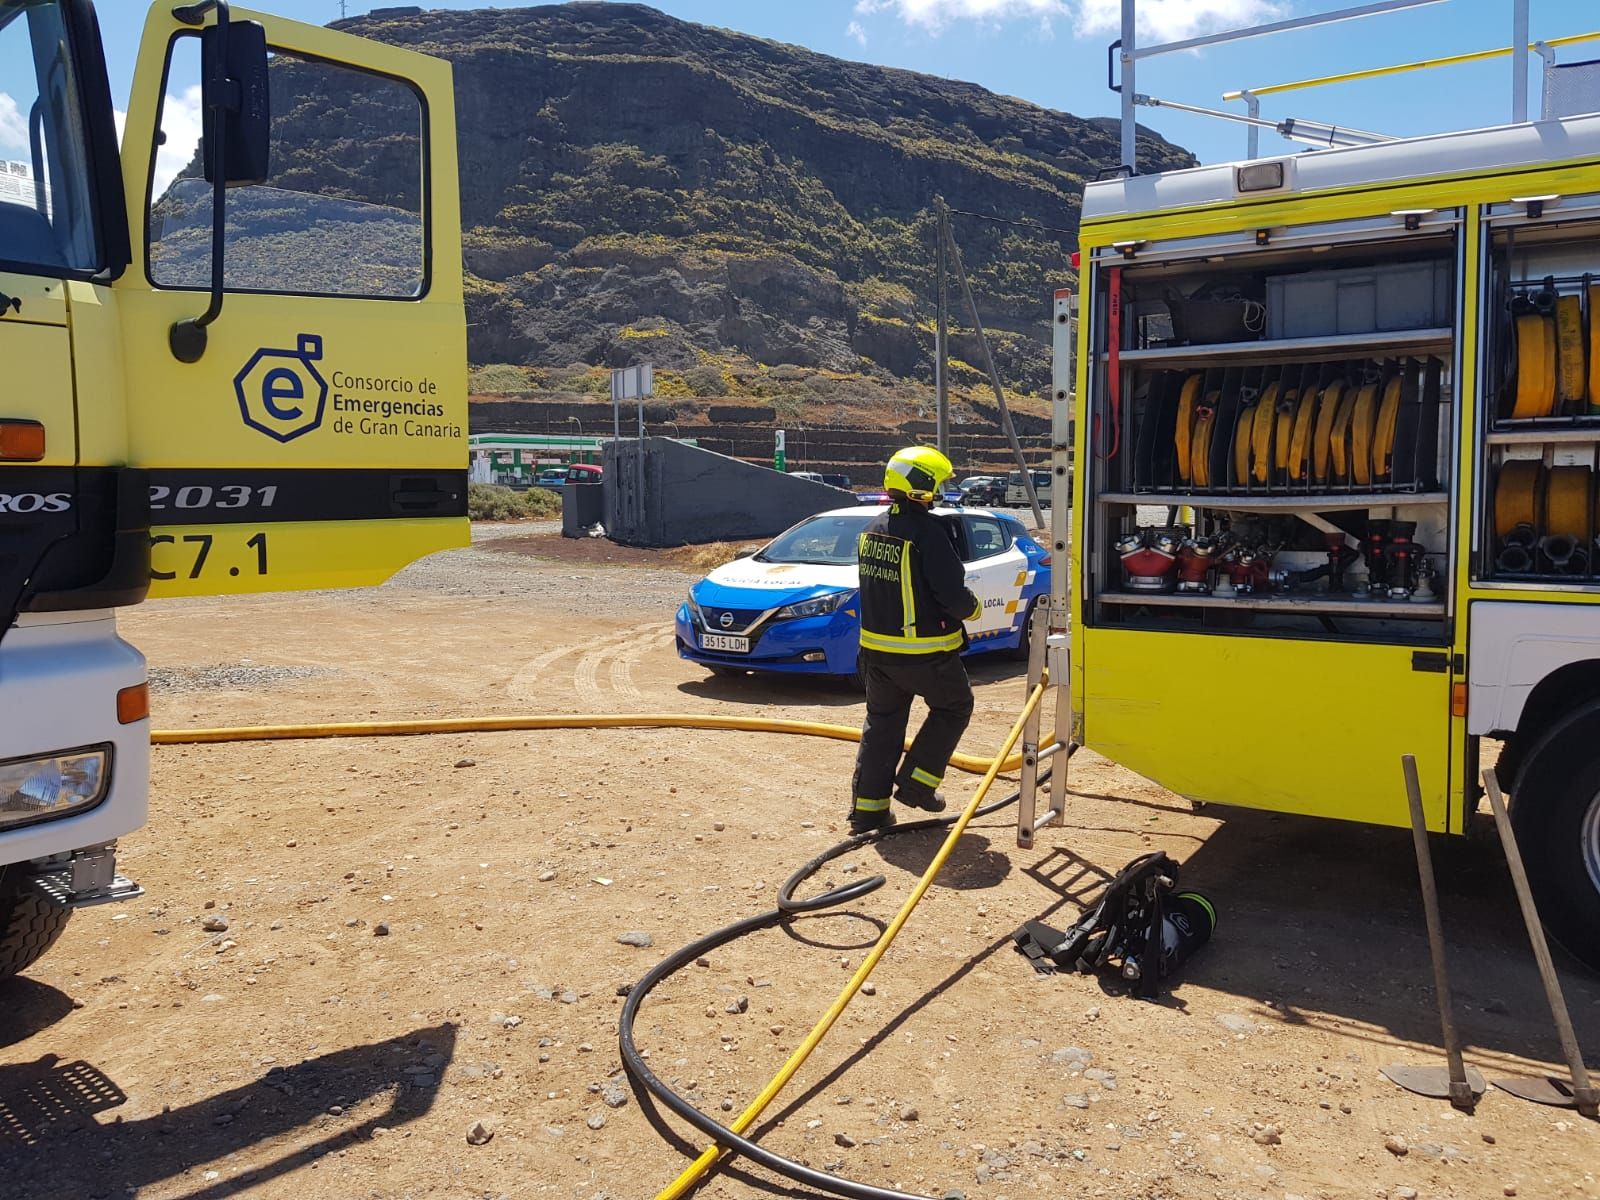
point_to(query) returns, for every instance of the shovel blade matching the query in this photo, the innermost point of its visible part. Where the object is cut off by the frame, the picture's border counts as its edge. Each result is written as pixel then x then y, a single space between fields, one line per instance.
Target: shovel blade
pixel 1431 1081
pixel 1541 1090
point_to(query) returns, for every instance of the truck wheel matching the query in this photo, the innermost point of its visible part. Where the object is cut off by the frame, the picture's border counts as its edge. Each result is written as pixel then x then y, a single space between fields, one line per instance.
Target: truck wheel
pixel 30 923
pixel 1555 812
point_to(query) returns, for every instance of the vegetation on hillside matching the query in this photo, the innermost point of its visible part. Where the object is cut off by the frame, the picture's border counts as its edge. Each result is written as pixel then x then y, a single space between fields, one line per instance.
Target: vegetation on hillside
pixel 637 187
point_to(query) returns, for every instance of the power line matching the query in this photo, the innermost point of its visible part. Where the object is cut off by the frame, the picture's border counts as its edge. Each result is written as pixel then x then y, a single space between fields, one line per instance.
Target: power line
pixel 1019 224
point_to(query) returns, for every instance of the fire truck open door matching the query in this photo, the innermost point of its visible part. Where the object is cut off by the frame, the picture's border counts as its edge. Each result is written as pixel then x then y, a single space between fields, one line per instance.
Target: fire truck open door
pixel 314 433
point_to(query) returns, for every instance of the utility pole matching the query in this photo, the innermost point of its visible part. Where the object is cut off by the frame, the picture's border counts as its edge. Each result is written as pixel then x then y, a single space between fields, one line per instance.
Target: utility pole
pixel 941 349
pixel 994 375
pixel 344 9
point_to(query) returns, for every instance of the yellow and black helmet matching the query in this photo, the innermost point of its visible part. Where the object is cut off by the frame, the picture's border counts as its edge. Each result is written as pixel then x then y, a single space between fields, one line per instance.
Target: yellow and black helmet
pixel 918 471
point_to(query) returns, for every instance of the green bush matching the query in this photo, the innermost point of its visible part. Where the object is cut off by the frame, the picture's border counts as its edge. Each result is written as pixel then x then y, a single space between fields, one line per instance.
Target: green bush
pixel 706 379
pixel 499 379
pixel 490 502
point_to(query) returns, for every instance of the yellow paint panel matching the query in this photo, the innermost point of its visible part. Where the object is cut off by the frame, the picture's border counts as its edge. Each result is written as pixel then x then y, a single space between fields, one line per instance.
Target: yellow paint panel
pixel 1315 728
pixel 38 386
pixel 1011 607
pixel 204 560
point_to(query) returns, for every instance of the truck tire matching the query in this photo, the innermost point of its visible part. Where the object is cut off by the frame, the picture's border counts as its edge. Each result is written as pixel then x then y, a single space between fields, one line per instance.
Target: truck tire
pixel 1555 812
pixel 30 923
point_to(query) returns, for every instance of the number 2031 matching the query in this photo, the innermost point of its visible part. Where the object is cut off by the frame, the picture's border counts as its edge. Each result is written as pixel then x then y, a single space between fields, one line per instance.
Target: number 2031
pixel 199 546
pixel 205 496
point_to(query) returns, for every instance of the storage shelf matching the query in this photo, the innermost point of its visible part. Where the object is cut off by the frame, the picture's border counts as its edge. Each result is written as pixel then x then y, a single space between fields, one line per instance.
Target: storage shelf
pixel 1333 502
pixel 1316 604
pixel 1341 344
pixel 1534 434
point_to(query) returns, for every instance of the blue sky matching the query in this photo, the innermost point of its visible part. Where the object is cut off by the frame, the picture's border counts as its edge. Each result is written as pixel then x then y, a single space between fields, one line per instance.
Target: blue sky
pixel 1052 52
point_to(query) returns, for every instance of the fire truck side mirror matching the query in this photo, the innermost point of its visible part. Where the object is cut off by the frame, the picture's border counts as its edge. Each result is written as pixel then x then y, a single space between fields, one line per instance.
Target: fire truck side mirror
pixel 235 148
pixel 244 101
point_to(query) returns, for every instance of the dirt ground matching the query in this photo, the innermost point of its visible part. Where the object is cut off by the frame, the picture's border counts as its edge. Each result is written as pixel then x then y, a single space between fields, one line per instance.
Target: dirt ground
pixel 304 1052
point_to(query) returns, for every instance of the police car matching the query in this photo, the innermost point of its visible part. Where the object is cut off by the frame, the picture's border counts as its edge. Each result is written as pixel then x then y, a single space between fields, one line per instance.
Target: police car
pixel 792 605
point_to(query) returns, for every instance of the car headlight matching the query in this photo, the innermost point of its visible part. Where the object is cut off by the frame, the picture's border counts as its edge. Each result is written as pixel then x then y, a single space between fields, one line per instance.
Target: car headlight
pixel 820 607
pixel 695 615
pixel 40 789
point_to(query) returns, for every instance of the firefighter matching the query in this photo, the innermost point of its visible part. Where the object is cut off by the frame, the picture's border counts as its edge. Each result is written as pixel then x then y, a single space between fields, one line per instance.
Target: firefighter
pixel 914 600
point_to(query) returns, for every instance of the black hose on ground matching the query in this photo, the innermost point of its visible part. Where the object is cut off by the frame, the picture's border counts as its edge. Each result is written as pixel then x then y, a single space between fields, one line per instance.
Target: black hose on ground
pixel 788 907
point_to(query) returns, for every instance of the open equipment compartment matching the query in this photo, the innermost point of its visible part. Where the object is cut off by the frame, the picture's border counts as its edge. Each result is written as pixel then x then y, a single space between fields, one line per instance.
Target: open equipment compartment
pixel 1537 520
pixel 1272 416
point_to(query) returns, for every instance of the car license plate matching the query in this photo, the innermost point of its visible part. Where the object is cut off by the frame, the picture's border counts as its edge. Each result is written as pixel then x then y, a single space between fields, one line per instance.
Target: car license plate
pixel 724 641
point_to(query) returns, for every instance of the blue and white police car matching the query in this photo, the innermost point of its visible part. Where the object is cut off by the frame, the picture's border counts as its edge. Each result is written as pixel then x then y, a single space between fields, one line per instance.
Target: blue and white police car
pixel 792 605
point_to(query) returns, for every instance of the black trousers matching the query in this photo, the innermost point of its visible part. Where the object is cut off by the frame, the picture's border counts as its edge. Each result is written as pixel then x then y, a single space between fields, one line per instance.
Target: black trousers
pixel 893 681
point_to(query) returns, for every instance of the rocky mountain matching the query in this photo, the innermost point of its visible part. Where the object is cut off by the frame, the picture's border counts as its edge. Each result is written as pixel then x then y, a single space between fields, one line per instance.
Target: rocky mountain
pixel 631 180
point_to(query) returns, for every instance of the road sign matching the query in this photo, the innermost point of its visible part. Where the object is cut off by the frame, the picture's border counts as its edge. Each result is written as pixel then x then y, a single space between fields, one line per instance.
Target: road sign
pixel 633 383
pixel 779 458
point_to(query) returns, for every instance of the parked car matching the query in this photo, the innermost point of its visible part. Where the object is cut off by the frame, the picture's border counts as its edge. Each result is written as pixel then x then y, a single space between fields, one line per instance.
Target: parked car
pixel 584 473
pixel 791 606
pixel 554 478
pixel 983 489
pixel 1017 492
pixel 838 481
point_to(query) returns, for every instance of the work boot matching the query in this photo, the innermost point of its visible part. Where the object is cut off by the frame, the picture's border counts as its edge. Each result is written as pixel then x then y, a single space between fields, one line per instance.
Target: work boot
pixel 866 820
pixel 933 802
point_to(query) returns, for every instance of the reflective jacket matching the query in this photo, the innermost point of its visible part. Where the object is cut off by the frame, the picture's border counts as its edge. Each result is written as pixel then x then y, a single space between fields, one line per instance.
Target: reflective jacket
pixel 914 594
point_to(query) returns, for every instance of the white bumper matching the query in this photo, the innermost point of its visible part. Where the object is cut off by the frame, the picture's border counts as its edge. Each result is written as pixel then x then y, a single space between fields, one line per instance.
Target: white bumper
pixel 59 678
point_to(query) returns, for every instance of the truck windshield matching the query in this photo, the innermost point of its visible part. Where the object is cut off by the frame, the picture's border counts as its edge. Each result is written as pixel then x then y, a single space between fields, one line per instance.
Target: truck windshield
pixel 46 220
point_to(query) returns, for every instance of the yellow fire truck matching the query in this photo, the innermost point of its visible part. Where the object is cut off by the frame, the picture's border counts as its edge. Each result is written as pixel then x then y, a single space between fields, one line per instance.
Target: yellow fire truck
pixel 235 361
pixel 1335 485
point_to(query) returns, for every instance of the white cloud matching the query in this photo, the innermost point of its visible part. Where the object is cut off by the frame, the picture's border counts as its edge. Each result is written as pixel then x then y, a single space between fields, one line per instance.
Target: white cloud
pixel 1159 20
pixel 182 120
pixel 13 125
pixel 1176 20
pixel 856 32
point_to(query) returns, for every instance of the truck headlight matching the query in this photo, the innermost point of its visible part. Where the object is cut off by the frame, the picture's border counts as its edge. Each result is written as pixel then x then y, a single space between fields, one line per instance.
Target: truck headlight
pixel 820 607
pixel 55 785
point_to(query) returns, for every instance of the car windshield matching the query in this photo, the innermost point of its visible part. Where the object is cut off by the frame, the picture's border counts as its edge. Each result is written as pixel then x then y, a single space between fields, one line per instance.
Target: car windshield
pixel 826 540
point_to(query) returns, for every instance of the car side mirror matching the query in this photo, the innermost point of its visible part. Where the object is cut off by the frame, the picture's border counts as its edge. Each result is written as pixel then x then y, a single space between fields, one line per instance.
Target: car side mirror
pixel 236 143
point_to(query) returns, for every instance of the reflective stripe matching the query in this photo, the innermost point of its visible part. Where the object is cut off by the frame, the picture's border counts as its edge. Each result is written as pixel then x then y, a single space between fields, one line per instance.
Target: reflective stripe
pixel 908 600
pixel 977 611
pixel 923 777
pixel 910 645
pixel 869 804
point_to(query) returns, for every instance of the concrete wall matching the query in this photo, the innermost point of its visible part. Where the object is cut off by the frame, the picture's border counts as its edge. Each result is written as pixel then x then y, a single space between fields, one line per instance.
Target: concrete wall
pixel 582 505
pixel 694 495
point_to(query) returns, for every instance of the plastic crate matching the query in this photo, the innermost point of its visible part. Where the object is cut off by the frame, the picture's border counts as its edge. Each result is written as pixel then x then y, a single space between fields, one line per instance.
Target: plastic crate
pixel 1359 300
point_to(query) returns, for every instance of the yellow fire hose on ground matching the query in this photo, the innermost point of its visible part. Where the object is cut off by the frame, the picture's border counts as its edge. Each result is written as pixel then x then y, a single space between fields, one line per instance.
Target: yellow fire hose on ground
pixel 969 763
pixel 990 770
pixel 711 1154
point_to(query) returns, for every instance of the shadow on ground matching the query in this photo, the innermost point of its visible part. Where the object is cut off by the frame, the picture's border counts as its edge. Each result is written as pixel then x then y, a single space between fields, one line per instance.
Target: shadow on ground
pixel 30 1007
pixel 56 1136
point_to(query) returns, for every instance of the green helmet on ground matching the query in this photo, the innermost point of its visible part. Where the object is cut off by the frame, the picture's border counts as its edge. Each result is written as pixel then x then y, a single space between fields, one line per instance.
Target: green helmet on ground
pixel 918 471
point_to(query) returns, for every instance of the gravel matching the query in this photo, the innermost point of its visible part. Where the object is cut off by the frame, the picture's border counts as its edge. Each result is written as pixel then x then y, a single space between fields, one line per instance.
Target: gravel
pixel 608 591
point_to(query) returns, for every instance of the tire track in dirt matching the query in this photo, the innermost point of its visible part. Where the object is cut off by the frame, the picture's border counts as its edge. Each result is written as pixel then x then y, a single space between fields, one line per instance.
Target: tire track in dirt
pixel 527 682
pixel 586 679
